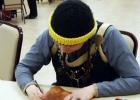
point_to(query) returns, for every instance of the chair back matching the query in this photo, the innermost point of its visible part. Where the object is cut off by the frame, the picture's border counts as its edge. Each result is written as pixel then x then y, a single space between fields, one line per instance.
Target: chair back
pixel 10 47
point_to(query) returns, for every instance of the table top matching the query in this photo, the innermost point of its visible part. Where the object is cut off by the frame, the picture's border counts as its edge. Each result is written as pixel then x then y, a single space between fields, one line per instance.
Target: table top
pixel 10 91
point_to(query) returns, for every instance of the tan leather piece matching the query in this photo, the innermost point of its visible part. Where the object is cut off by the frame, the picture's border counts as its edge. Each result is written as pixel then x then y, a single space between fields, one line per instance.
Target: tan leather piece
pixel 55 93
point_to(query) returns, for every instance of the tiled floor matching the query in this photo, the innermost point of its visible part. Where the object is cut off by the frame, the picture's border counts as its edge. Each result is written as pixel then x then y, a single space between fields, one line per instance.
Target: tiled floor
pixel 124 14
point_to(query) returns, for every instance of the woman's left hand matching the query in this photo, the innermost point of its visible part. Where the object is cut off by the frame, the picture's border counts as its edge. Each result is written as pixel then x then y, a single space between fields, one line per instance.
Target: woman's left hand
pixel 86 93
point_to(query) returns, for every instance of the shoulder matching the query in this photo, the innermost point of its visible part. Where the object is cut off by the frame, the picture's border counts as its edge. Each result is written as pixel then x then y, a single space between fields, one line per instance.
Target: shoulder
pixel 44 38
pixel 114 42
pixel 112 34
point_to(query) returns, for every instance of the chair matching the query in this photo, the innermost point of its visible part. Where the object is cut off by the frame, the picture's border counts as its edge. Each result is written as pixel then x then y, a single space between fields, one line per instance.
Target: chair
pixel 10 5
pixel 131 40
pixel 10 48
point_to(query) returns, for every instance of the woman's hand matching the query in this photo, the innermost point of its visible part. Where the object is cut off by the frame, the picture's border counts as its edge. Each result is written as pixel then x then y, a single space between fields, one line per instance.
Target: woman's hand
pixel 86 93
pixel 34 93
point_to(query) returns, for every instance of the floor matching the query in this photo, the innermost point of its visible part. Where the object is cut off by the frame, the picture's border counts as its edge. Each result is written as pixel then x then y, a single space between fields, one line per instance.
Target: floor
pixel 124 14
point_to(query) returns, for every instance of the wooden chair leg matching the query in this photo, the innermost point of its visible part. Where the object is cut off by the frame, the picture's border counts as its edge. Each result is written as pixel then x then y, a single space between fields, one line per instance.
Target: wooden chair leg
pixel 50 1
pixel 37 1
pixel 25 8
pixel 22 15
pixel 0 15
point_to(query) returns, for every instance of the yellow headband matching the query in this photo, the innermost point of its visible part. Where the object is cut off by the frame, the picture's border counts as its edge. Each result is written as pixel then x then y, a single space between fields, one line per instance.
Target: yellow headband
pixel 71 41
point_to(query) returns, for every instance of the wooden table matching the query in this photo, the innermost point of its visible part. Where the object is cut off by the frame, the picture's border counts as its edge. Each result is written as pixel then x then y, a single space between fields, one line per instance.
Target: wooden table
pixel 10 91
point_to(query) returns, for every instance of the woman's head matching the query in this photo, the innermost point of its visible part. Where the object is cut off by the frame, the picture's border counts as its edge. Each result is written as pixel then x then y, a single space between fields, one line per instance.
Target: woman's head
pixel 72 23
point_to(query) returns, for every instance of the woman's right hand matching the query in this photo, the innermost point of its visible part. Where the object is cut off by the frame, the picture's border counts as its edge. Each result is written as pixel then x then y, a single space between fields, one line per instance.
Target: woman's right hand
pixel 34 93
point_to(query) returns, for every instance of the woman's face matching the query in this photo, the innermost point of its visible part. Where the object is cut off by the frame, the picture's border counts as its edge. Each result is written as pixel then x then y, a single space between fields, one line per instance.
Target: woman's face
pixel 69 48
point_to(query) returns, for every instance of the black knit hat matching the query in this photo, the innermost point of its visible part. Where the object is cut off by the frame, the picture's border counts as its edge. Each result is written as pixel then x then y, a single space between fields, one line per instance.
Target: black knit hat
pixel 72 18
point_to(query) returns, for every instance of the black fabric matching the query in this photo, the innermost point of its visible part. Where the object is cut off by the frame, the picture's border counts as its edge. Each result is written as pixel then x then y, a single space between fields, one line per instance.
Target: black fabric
pixel 32 7
pixel 75 55
pixel 99 70
pixel 1 3
pixel 72 18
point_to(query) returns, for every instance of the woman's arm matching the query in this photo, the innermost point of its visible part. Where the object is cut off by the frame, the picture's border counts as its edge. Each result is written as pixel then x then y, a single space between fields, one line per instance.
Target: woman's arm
pixel 37 56
pixel 123 61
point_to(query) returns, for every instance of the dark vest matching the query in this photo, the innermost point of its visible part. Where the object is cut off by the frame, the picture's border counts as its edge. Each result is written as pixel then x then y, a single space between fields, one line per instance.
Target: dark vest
pixel 91 71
